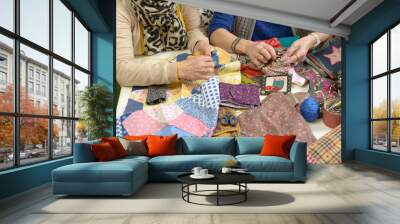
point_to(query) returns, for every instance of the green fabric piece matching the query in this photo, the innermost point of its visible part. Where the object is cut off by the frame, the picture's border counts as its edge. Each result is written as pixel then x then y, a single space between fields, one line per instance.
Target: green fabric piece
pixel 247 80
pixel 287 41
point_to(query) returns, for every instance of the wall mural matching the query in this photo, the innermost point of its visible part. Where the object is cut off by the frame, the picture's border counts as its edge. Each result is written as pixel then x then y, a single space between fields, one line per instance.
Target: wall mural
pixel 286 81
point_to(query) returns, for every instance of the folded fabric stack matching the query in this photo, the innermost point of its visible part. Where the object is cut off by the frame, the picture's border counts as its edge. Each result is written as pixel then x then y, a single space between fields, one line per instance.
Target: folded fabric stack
pixel 240 96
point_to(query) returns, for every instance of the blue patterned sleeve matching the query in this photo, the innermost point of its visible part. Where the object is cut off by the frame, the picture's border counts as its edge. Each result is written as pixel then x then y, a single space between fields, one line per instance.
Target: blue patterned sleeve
pixel 220 20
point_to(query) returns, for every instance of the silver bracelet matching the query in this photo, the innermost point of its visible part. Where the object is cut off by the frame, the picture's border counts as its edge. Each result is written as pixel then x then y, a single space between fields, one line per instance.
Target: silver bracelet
pixel 316 38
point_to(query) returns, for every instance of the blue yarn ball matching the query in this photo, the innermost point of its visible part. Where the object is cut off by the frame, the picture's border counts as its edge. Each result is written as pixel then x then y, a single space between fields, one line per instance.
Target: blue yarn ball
pixel 310 109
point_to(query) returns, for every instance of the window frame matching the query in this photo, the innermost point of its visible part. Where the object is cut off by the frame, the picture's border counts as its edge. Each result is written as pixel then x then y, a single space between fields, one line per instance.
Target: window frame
pixel 16 114
pixel 389 75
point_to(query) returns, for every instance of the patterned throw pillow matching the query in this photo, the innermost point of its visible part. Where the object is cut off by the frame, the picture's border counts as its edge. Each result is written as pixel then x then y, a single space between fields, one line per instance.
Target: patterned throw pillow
pixel 134 147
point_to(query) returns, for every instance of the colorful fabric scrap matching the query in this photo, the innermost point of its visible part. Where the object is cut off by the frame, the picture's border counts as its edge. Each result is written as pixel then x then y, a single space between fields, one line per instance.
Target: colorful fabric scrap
pixel 195 115
pixel 327 58
pixel 226 130
pixel 321 88
pixel 239 96
pixel 276 115
pixel 327 149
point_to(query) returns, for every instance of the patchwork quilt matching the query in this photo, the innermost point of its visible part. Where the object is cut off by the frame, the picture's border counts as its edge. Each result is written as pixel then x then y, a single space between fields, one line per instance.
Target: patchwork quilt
pixel 189 108
pixel 195 115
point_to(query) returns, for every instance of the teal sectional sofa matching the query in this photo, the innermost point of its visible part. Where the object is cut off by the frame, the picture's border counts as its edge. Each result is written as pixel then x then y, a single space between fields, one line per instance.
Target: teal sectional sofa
pixel 125 176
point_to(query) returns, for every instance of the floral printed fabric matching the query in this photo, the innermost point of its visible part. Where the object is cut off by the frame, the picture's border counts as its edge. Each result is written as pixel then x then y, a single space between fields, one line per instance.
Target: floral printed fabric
pixel 320 87
pixel 139 123
pixel 276 115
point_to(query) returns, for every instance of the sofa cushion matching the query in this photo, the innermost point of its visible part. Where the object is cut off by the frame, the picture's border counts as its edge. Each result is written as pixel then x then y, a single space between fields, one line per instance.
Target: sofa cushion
pixel 103 152
pixel 277 145
pixel 185 163
pixel 249 145
pixel 207 145
pixel 257 163
pixel 83 152
pixel 116 145
pixel 161 145
pixel 112 171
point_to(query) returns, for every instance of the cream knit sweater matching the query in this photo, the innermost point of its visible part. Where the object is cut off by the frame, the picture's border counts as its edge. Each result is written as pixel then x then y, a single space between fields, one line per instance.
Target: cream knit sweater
pixel 133 71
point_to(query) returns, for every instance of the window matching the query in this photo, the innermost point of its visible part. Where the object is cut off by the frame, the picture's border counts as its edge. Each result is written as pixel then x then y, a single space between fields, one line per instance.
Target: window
pixel 7 14
pixel 385 94
pixel 38 89
pixel 30 72
pixel 30 87
pixel 35 21
pixel 81 45
pixel 41 124
pixel 44 91
pixel 3 78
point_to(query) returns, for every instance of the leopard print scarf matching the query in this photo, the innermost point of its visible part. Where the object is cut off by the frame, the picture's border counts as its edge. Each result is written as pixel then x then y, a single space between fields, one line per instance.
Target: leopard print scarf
pixel 163 30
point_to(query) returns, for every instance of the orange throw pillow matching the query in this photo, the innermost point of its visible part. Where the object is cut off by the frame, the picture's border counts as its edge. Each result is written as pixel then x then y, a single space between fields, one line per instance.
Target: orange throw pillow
pixel 103 152
pixel 116 145
pixel 275 145
pixel 161 145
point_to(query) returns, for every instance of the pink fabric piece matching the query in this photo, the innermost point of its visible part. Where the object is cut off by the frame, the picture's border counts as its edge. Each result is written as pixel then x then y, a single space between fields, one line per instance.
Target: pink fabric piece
pixel 191 125
pixel 164 112
pixel 139 123
pixel 276 115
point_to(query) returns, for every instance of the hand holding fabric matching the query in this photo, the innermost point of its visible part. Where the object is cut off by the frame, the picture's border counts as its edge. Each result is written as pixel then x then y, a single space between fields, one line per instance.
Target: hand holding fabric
pixel 195 68
pixel 202 48
pixel 259 53
pixel 299 49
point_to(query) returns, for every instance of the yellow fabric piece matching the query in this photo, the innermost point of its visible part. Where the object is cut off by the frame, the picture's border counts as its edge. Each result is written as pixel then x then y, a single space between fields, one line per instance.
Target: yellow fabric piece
pixel 224 56
pixel 230 73
pixel 226 131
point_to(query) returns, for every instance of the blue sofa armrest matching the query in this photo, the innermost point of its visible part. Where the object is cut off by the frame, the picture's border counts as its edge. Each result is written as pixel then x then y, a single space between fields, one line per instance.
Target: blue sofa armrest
pixel 298 155
pixel 83 152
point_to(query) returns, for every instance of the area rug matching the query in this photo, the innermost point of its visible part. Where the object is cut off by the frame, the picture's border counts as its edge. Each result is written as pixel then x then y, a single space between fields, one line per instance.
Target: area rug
pixel 166 198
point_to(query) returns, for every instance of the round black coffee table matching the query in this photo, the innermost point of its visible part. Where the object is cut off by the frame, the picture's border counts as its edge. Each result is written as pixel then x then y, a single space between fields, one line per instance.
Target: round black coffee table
pixel 238 179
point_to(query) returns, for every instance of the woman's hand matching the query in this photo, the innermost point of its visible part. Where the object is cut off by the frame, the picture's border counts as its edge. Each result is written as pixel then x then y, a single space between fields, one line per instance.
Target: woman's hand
pixel 202 48
pixel 259 53
pixel 299 49
pixel 196 68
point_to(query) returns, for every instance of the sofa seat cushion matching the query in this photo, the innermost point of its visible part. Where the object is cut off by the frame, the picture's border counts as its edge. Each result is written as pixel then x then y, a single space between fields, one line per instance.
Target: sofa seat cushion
pixel 257 163
pixel 112 171
pixel 185 163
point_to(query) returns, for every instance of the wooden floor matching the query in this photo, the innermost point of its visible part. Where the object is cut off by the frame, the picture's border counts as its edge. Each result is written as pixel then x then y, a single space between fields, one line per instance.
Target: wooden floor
pixel 379 189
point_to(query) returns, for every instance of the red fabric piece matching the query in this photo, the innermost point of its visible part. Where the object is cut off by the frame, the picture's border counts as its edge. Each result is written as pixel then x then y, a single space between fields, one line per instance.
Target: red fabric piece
pixel 274 42
pixel 103 152
pixel 161 145
pixel 251 72
pixel 275 145
pixel 116 145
